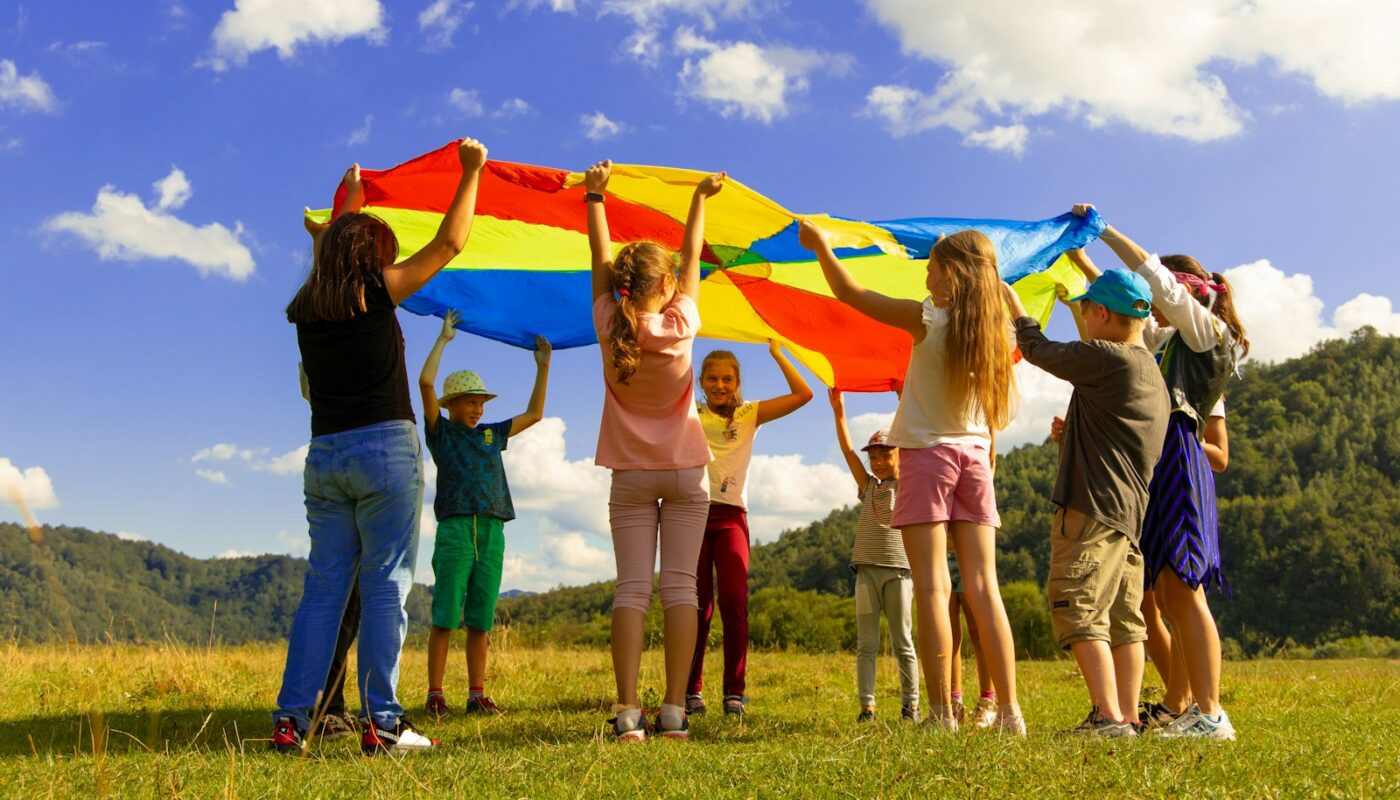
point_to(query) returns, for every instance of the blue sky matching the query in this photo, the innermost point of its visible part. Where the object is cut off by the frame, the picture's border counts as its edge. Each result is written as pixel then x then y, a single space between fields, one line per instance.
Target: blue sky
pixel 150 377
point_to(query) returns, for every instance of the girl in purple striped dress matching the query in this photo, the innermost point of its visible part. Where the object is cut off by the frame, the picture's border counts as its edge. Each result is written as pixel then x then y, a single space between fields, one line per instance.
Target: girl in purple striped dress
pixel 1199 340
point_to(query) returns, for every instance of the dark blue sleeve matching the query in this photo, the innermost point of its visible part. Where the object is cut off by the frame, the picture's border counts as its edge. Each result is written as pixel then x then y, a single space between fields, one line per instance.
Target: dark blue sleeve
pixel 502 430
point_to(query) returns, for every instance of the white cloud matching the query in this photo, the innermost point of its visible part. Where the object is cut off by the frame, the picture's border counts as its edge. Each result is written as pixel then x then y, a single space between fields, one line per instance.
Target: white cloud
pixel 565 558
pixel 128 536
pixel 597 126
pixel 32 486
pixel 786 492
pixel 360 135
pixel 466 101
pixel 440 21
pixel 123 228
pixel 1145 66
pixel 514 107
pixel 231 553
pixel 1283 318
pixel 748 80
pixel 289 463
pixel 572 495
pixel 284 25
pixel 82 46
pixel 1040 398
pixel 294 544
pixel 1007 138
pixel 173 191
pixel 11 144
pixel 25 92
pixel 213 476
pixel 222 452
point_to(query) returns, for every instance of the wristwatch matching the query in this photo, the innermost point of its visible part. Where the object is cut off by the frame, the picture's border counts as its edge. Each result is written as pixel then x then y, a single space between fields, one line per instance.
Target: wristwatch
pixel 593 197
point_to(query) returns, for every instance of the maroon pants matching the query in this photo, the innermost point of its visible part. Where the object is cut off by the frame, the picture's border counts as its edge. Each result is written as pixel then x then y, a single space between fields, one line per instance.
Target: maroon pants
pixel 724 560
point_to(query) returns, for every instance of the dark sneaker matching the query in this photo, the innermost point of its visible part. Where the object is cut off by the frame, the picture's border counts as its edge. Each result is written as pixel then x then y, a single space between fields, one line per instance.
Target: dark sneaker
pixel 735 704
pixel 437 708
pixel 909 712
pixel 1155 715
pixel 336 726
pixel 865 715
pixel 694 705
pixel 402 738
pixel 483 705
pixel 286 738
pixel 1102 727
pixel 634 733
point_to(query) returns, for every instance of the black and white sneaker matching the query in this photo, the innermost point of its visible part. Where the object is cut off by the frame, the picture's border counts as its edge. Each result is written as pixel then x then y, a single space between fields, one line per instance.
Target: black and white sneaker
pixel 336 726
pixel 694 705
pixel 736 704
pixel 1097 725
pixel 634 732
pixel 909 712
pixel 402 738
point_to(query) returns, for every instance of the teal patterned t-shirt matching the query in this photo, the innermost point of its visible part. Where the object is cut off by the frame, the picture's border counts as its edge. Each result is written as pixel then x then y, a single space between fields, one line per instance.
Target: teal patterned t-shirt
pixel 471 477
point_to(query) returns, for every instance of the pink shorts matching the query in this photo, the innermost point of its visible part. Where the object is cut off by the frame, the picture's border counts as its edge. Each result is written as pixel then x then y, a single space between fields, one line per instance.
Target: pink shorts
pixel 945 483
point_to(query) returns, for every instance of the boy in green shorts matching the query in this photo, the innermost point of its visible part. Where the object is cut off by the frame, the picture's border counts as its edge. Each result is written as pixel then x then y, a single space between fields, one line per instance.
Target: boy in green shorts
pixel 472 507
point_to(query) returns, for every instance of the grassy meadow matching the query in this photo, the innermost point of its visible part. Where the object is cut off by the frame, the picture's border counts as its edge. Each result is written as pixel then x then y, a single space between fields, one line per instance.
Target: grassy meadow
pixel 185 721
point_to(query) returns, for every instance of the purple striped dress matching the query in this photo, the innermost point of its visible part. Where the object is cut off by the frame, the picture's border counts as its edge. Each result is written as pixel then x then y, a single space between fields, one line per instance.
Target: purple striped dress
pixel 1180 530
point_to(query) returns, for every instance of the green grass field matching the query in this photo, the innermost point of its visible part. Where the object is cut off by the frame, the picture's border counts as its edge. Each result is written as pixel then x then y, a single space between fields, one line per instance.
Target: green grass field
pixel 178 721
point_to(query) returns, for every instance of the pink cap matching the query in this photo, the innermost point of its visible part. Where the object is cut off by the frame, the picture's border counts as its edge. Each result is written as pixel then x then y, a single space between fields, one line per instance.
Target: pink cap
pixel 877 439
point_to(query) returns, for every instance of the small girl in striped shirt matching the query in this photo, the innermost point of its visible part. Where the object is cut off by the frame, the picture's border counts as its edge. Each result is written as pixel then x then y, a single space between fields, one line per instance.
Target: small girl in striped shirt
pixel 884 583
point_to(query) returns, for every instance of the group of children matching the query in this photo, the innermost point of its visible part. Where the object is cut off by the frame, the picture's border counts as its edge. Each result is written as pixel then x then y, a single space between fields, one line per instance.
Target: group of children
pixel 1133 543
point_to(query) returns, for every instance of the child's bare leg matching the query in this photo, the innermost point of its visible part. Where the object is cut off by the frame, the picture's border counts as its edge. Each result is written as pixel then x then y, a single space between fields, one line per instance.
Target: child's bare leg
pixel 955 673
pixel 976 547
pixel 628 626
pixel 985 685
pixel 439 640
pixel 1159 638
pixel 1178 695
pixel 1127 672
pixel 927 549
pixel 1096 662
pixel 477 644
pixel 1196 632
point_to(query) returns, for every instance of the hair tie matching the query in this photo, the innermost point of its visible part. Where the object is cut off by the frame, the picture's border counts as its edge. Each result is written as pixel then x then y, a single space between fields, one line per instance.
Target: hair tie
pixel 1198 285
pixel 624 292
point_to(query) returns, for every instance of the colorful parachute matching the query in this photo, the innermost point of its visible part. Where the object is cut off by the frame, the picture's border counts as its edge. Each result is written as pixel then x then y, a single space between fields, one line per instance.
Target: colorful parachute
pixel 525 269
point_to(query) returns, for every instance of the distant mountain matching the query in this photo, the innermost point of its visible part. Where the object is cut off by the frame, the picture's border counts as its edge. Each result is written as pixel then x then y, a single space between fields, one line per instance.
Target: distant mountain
pixel 111 588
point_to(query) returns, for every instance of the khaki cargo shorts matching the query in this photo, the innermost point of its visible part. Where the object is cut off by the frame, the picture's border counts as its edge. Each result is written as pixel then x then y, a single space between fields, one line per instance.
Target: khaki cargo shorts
pixel 1095 585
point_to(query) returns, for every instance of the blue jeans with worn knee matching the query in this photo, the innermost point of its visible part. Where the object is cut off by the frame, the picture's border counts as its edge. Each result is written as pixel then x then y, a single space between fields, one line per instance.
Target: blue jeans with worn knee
pixel 364 497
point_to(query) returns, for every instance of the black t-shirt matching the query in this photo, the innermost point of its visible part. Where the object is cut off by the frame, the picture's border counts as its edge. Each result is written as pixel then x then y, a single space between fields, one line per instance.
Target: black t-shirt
pixel 356 368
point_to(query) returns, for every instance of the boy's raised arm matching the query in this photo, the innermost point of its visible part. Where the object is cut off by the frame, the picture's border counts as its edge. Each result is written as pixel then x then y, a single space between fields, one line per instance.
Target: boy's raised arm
pixel 843 440
pixel 427 379
pixel 535 411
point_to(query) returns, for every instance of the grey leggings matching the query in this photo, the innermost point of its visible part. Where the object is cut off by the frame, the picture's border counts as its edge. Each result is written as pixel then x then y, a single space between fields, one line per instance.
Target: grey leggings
pixel 891 591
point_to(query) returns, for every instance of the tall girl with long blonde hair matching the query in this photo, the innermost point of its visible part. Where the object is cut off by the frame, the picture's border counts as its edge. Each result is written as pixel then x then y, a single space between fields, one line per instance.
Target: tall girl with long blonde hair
pixel 646 318
pixel 957 391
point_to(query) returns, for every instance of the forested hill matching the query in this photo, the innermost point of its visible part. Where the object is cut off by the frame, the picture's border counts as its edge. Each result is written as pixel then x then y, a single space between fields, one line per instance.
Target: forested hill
pixel 132 590
pixel 1309 509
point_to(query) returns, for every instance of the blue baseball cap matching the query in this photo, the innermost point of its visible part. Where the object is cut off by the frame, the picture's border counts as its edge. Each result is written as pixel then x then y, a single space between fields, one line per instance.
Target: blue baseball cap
pixel 1120 290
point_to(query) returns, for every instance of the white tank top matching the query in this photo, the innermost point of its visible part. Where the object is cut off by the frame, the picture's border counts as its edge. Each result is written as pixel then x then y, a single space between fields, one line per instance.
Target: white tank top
pixel 927 414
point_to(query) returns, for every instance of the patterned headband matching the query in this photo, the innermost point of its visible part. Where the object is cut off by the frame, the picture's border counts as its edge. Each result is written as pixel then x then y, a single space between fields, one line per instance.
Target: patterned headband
pixel 1200 286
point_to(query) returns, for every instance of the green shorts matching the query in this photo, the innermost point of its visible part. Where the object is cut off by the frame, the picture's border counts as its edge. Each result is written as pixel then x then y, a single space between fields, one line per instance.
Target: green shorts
pixel 467 558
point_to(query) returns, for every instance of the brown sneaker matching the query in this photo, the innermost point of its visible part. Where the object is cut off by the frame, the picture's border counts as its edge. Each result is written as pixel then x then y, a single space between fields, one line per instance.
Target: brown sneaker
pixel 336 726
pixel 483 705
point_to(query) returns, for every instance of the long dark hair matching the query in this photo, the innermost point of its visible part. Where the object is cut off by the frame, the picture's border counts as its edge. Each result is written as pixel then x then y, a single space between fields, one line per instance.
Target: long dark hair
pixel 1224 306
pixel 352 253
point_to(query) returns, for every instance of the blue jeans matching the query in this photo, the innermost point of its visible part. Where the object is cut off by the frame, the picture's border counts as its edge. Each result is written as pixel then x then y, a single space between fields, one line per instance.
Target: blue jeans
pixel 364 496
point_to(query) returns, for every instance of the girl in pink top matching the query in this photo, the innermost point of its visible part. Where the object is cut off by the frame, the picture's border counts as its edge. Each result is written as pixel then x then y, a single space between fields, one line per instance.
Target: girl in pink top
pixel 646 317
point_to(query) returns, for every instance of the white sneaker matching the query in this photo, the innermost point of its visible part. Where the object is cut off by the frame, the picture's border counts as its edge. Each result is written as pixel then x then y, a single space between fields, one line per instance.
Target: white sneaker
pixel 1016 726
pixel 1195 725
pixel 402 738
pixel 984 715
pixel 943 718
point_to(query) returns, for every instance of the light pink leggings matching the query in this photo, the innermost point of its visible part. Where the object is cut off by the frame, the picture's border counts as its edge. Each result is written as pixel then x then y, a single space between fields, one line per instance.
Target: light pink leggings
pixel 677 501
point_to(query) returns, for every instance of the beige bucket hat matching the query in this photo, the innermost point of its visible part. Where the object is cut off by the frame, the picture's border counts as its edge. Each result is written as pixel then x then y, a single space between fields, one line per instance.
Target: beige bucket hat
pixel 461 382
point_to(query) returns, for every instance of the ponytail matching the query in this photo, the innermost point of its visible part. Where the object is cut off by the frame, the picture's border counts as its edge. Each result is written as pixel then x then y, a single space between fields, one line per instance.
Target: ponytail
pixel 622 339
pixel 1222 304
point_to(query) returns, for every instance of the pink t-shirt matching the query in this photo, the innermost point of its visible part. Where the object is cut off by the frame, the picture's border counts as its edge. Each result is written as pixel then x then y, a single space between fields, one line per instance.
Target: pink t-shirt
pixel 651 422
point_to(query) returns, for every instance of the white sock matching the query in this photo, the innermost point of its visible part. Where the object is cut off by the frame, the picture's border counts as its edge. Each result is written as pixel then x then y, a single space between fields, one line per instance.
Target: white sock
pixel 628 718
pixel 672 717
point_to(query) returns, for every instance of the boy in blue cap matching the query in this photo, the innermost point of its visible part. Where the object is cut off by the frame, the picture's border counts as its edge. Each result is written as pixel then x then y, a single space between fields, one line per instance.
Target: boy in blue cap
pixel 1112 438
